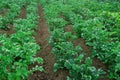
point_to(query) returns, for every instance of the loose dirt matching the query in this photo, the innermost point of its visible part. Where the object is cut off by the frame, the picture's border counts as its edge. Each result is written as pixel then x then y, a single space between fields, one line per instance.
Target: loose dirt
pixel 41 38
pixel 22 14
pixel 3 12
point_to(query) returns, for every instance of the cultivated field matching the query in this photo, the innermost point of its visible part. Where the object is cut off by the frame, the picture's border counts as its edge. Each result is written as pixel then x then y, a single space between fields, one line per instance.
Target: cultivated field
pixel 59 40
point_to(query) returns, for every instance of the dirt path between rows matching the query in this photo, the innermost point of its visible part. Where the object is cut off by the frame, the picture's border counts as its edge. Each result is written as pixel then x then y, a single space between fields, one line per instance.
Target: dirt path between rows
pixel 41 35
pixel 22 14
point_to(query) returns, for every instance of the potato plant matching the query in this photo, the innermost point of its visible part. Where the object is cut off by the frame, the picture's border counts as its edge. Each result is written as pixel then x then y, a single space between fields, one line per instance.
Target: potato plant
pixel 13 9
pixel 18 51
pixel 16 56
pixel 67 56
pixel 95 21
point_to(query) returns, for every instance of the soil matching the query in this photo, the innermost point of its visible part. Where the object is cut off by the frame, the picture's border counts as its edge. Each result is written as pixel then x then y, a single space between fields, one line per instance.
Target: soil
pixel 87 49
pixel 41 38
pixel 3 12
pixel 22 14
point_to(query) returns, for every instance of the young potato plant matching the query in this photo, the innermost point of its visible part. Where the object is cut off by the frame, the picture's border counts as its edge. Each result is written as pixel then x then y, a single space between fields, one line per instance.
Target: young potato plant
pixel 58 35
pixel 7 3
pixel 115 66
pixel 112 25
pixel 1 22
pixel 30 22
pixel 16 55
pixel 18 51
pixel 14 10
pixel 24 24
pixel 4 21
pixel 56 23
pixel 82 71
pixel 52 10
pixel 64 51
pixel 32 8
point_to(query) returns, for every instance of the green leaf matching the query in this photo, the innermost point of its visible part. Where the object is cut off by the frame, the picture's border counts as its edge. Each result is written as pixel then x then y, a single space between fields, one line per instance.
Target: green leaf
pixel 56 67
pixel 88 61
pixel 68 65
pixel 79 58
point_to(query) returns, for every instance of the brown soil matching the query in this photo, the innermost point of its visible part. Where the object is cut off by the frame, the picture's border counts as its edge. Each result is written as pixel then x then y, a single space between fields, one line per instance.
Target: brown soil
pixel 45 52
pixel 3 13
pixel 87 49
pixel 22 14
pixel 68 28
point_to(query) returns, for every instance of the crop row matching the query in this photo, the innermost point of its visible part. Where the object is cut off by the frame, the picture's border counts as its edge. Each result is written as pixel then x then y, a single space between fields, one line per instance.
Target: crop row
pixel 68 56
pixel 97 22
pixel 101 30
pixel 18 51
pixel 11 9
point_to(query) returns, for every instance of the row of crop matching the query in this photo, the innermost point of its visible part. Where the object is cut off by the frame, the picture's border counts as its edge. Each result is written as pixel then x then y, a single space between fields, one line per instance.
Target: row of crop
pixel 102 32
pixel 97 22
pixel 18 51
pixel 67 56
pixel 7 4
pixel 12 8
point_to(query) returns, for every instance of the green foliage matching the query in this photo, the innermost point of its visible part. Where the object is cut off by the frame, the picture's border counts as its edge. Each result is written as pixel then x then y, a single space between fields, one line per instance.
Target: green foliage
pixel 56 23
pixel 17 52
pixel 27 24
pixel 17 56
pixel 58 35
pixel 66 49
pixel 80 71
pixel 13 9
pixel 98 22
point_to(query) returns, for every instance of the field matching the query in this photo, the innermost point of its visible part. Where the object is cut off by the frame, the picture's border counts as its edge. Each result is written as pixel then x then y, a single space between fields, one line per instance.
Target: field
pixel 60 40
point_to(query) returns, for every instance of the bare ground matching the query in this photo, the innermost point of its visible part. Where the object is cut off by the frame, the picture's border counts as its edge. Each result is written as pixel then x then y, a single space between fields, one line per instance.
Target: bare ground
pixel 41 35
pixel 22 14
